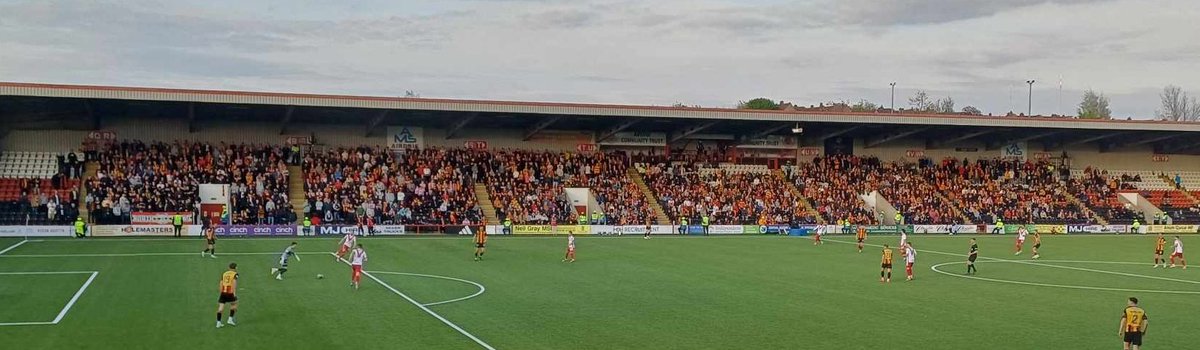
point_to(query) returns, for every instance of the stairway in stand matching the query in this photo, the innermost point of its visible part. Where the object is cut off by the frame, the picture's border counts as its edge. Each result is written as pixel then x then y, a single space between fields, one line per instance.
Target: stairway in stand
pixel 485 202
pixel 89 171
pixel 660 216
pixel 1088 211
pixel 808 207
pixel 953 206
pixel 1170 182
pixel 296 191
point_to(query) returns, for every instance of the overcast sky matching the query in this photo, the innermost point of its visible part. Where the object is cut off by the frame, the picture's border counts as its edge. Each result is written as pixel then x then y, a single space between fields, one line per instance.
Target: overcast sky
pixel 698 52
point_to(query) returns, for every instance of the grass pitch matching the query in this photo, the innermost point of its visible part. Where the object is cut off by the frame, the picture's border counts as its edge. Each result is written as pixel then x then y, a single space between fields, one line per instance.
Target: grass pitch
pixel 737 292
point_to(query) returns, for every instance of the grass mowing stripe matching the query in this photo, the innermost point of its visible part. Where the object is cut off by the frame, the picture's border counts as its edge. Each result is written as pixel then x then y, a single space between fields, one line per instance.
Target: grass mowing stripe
pixel 14 246
pixel 422 307
pixel 75 298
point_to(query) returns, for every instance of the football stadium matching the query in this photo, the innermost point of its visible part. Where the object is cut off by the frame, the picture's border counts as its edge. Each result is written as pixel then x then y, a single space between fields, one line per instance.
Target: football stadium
pixel 694 227
pixel 599 174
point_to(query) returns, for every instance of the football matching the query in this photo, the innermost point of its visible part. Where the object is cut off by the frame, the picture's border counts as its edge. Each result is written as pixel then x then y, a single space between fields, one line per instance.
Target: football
pixel 320 276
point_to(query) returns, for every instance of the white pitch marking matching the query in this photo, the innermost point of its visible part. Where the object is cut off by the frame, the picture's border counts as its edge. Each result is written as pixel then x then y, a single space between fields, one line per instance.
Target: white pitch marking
pixel 477 285
pixel 75 298
pixel 26 324
pixel 423 308
pixel 935 269
pixel 71 303
pixel 14 246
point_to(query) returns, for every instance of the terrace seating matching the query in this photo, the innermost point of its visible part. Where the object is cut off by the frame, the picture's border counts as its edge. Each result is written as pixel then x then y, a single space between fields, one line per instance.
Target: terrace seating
pixel 729 194
pixel 38 201
pixel 529 187
pixel 28 165
pixel 1099 191
pixel 161 177
pixel 1017 191
pixel 834 184
pixel 412 187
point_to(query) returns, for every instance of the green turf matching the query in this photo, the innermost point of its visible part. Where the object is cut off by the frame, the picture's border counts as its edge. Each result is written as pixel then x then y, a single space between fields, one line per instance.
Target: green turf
pixel 752 292
pixel 36 298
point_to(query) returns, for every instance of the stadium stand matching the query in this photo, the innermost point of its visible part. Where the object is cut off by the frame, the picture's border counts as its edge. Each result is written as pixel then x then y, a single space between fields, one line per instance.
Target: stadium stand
pixel 1162 191
pixel 834 183
pixel 1013 190
pixel 907 188
pixel 164 177
pixel 414 187
pixel 35 189
pixel 529 187
pixel 732 194
pixel 1099 191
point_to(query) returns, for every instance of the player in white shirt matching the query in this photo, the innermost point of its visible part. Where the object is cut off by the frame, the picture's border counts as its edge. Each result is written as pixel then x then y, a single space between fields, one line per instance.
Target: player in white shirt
pixel 910 257
pixel 347 243
pixel 1021 233
pixel 1178 253
pixel 817 233
pixel 357 258
pixel 903 242
pixel 287 254
pixel 570 257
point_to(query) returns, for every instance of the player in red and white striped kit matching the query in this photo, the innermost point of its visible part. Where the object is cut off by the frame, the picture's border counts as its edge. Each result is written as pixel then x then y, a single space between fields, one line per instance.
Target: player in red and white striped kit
pixel 570 257
pixel 1021 233
pixel 347 244
pixel 1178 253
pixel 357 258
pixel 910 257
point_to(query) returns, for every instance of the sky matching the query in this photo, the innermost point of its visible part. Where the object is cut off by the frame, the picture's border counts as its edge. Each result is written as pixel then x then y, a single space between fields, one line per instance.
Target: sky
pixel 711 53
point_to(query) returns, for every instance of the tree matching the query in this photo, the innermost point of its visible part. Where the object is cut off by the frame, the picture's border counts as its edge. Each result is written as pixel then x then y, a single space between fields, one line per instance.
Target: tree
pixel 411 94
pixel 972 110
pixel 920 101
pixel 945 105
pixel 1094 106
pixel 864 106
pixel 1177 106
pixel 923 103
pixel 758 103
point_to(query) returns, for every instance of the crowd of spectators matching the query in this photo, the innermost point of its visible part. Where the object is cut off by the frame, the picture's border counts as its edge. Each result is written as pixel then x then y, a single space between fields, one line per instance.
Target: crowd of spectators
pixel 431 186
pixel 40 202
pixel 134 176
pixel 833 185
pixel 1098 191
pixel 529 187
pixel 1013 190
pixel 687 190
pixel 907 187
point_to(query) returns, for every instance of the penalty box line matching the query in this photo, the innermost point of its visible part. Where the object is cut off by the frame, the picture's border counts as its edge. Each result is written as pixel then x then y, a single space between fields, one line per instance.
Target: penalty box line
pixel 70 303
pixel 422 307
pixel 14 246
pixel 1038 264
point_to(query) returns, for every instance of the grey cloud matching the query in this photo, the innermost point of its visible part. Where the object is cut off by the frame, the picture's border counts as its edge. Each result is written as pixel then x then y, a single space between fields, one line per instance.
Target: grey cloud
pixel 562 18
pixel 912 12
pixel 197 63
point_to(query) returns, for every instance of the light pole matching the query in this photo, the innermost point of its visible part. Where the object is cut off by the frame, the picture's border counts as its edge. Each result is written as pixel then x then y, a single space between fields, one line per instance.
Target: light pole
pixel 1029 113
pixel 893 84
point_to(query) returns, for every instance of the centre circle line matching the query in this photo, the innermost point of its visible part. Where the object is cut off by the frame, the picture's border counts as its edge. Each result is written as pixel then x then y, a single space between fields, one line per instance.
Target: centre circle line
pixel 477 285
